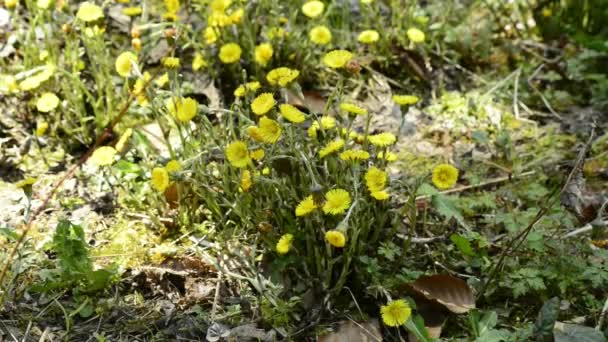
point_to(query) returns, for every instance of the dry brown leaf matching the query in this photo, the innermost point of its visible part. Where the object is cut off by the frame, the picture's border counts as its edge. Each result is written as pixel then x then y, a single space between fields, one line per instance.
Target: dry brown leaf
pixel 350 331
pixel 453 293
pixel 312 101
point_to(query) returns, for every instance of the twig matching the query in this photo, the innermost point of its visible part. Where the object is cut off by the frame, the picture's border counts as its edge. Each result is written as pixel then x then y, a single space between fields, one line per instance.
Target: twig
pixel 481 185
pixel 586 228
pixel 216 297
pixel 542 97
pixel 514 243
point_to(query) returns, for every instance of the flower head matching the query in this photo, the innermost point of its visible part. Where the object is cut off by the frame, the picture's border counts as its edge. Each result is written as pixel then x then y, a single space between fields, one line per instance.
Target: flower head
pixel 241 90
pixel 120 145
pixel 368 37
pixel 270 130
pixel 132 11
pixel 337 58
pixel 246 180
pixel 445 176
pixel 237 16
pixel 173 166
pixel 257 154
pixel 395 313
pixel 103 156
pixel 263 53
pixel 353 108
pixel 41 127
pixel 238 154
pixel 320 35
pixel 380 195
pixel 198 62
pixel 284 244
pixel 160 179
pixel 282 76
pixel 382 139
pixel 124 63
pixel 335 238
pixel 210 35
pixel 313 9
pixel 336 201
pixel 230 53
pixel 88 12
pixel 184 109
pixel 375 179
pixel 306 206
pixel 415 35
pixel 254 133
pixel 47 102
pixel 263 103
pixel 292 113
pixel 354 155
pixel 390 156
pixel 171 62
pixel 331 147
pixel 405 100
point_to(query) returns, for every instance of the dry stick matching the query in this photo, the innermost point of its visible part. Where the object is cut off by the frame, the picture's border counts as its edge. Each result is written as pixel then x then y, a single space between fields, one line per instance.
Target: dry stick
pixel 514 243
pixel 28 225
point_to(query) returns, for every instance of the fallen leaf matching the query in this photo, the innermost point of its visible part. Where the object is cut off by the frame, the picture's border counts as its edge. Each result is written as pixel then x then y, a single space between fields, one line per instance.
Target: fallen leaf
pixel 453 293
pixel 350 331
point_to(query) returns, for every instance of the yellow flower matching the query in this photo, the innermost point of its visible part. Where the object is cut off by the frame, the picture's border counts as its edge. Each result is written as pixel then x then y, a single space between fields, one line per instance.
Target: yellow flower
pixel 41 127
pixel 270 130
pixel 219 5
pixel 254 133
pixel 124 63
pixel 335 238
pixel 120 145
pixel 246 180
pixel 354 155
pixel 367 2
pixel 276 32
pixel 198 62
pixel 281 76
pixel 405 100
pixel 390 156
pixel 25 183
pixel 184 109
pixel 320 35
pixel 237 16
pixel 395 313
pixel 328 122
pixel 313 9
pixel 35 80
pixel 336 201
pixel 160 179
pixel 284 244
pixel 238 154
pixel 353 108
pixel 337 58
pixel 306 206
pixel 219 19
pixel 171 62
pixel 331 147
pixel 368 37
pixel 8 83
pixel 210 35
pixel 415 35
pixel 382 139
pixel 132 11
pixel 380 195
pixel 230 53
pixel 47 102
pixel 171 9
pixel 162 80
pixel 43 4
pixel 241 90
pixel 257 154
pixel 10 4
pixel 546 12
pixel 445 176
pixel 263 53
pixel 263 103
pixel 173 166
pixel 103 156
pixel 375 179
pixel 292 113
pixel 88 12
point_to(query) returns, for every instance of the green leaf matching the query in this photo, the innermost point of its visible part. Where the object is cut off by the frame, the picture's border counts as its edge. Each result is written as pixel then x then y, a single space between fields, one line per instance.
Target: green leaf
pixel 9 233
pixel 446 206
pixel 426 190
pixel 543 328
pixel 463 245
pixel 415 325
pixel 71 248
pixel 576 333
pixel 487 322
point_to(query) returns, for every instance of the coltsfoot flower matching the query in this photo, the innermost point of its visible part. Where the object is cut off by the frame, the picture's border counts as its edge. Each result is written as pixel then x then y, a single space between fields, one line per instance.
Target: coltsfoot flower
pixel 124 63
pixel 395 313
pixel 382 139
pixel 335 238
pixel 282 76
pixel 375 179
pixel 313 9
pixel 337 201
pixel 263 103
pixel 103 156
pixel 415 35
pixel 88 12
pixel 353 108
pixel 292 113
pixel 306 206
pixel 47 102
pixel 368 37
pixel 238 154
pixel 270 130
pixel 160 179
pixel 331 147
pixel 230 53
pixel 320 35
pixel 354 155
pixel 284 244
pixel 263 53
pixel 405 100
pixel 337 58
pixel 445 176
